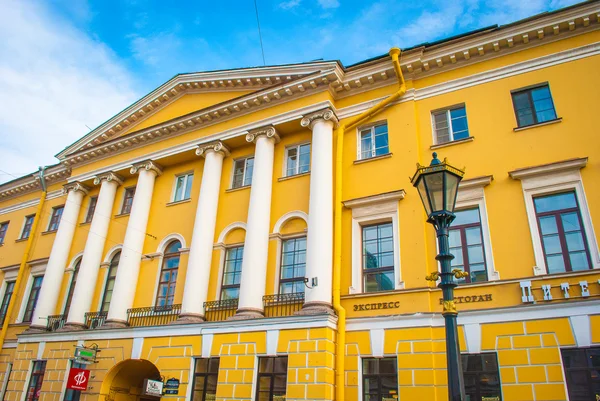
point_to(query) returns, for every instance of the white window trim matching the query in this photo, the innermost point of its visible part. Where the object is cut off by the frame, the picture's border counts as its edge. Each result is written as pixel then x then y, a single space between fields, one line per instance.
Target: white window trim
pixel 27 379
pixel 174 190
pixel 222 247
pixel 52 215
pixel 23 226
pixel 36 271
pixel 122 204
pixel 160 252
pixel 285 159
pixel 372 128
pixel 471 194
pixel 447 111
pixel 279 238
pixel 105 266
pixel 71 271
pixel 87 210
pixel 371 210
pixel 9 368
pixel 548 179
pixel 245 158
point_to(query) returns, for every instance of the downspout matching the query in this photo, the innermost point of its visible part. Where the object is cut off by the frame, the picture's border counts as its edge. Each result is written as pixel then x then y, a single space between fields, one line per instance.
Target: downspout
pixel 24 259
pixel 337 243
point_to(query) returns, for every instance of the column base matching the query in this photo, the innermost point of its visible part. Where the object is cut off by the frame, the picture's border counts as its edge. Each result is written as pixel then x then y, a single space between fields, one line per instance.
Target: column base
pixel 189 318
pixel 247 313
pixel 315 308
pixel 35 329
pixel 114 324
pixel 72 326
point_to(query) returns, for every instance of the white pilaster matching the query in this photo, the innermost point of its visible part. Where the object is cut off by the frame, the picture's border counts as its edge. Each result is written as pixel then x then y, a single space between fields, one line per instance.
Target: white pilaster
pixel 94 246
pixel 59 256
pixel 254 264
pixel 319 241
pixel 201 248
pixel 131 255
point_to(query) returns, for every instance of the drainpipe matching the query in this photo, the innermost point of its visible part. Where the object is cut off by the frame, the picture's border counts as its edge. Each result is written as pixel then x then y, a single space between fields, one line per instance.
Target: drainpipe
pixel 24 259
pixel 337 243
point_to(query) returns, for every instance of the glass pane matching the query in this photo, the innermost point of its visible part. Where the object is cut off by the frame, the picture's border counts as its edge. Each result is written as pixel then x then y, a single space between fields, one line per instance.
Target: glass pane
pixel 521 101
pixel 264 383
pixel 546 115
pixel 366 145
pixel 387 365
pixel 525 117
pixel 440 120
pixel 292 161
pixel 442 135
pixel 435 188
pixel 379 281
pixel 249 169
pixel 473 235
pixel 188 188
pixel 552 244
pixel 575 241
pixel 475 253
pixel 579 261
pixel 265 365
pixel 555 202
pixel 454 238
pixel 230 293
pixel 179 188
pixel 280 365
pixel 548 225
pixel 201 365
pixel 213 365
pixel 466 216
pixel 556 264
pixel 570 221
pixel 451 189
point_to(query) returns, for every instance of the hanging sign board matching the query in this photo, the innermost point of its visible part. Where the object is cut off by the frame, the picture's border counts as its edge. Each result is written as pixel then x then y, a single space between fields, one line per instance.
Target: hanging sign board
pixel 78 379
pixel 172 386
pixel 153 388
pixel 85 355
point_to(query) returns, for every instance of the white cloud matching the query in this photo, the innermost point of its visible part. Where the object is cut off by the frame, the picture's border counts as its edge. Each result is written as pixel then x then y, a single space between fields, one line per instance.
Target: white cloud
pixel 286 5
pixel 329 3
pixel 54 80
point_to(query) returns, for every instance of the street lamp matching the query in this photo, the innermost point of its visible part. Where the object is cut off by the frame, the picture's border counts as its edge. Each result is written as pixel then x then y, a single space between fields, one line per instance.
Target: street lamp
pixel 438 185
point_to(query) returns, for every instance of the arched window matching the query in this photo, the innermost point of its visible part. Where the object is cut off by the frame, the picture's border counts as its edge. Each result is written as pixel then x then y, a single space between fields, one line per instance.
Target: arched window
pixel 71 289
pixel 168 275
pixel 110 281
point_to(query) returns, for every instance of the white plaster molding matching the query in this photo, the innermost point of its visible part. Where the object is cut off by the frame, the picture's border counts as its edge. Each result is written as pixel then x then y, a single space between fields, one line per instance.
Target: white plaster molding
pixel 272 340
pixel 268 131
pixel 377 341
pixel 31 203
pixel 168 239
pixel 228 229
pixel 550 168
pixel 296 214
pixel 374 200
pixel 473 337
pixel 325 114
pixel 109 176
pixel 582 330
pixel 207 341
pixel 75 186
pixel 136 347
pixel 10 272
pixel 147 165
pixel 112 252
pixel 217 146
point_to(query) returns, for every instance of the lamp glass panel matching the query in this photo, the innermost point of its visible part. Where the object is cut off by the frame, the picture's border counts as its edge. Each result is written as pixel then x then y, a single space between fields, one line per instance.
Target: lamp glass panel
pixel 435 190
pixel 423 195
pixel 451 188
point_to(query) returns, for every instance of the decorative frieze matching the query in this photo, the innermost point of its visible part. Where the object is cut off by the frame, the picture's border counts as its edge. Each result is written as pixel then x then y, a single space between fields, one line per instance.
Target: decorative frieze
pixel 269 131
pixel 325 114
pixel 218 146
pixel 147 165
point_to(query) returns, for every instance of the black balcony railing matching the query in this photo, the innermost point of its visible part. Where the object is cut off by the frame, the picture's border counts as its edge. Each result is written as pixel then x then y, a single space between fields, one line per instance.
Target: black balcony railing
pixel 93 320
pixel 55 322
pixel 283 304
pixel 216 311
pixel 153 315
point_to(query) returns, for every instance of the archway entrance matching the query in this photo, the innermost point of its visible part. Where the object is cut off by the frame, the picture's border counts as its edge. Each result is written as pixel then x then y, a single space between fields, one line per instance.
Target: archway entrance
pixel 124 382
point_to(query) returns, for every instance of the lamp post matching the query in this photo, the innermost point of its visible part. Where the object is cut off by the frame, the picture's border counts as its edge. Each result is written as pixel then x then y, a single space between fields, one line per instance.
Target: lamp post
pixel 438 185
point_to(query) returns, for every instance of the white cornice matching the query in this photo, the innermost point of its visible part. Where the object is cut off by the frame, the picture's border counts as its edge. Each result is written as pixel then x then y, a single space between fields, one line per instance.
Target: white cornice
pixel 476 182
pixel 31 183
pixel 375 199
pixel 552 168
pixel 33 202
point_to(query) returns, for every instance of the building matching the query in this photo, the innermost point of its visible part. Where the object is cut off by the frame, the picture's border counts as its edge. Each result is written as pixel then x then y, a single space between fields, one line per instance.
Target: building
pixel 192 236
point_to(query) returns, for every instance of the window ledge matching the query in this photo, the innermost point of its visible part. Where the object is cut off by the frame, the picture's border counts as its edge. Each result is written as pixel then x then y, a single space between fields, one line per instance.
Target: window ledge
pixel 238 188
pixel 370 159
pixel 556 120
pixel 21 239
pixel 121 215
pixel 452 143
pixel 289 177
pixel 49 232
pixel 85 223
pixel 179 202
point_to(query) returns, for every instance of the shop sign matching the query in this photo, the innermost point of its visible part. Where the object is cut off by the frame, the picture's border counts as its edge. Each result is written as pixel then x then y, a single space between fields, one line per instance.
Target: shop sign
pixel 377 306
pixel 567 291
pixel 85 355
pixel 153 388
pixel 78 379
pixel 172 386
pixel 490 398
pixel 470 299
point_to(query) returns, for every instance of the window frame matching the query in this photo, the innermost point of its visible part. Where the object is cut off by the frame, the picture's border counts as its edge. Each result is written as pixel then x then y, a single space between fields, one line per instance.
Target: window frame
pixel 371 127
pixel 184 189
pixel 586 369
pixel 378 375
pixel 245 159
pixel 109 268
pixel 9 368
pixel 89 215
pixel 272 375
pixel 38 383
pixel 164 259
pixel 3 231
pixel 477 373
pixel 69 298
pixel 205 376
pixel 464 247
pixel 55 218
pixel 7 293
pixel 281 265
pixel 223 286
pixel 447 111
pixel 27 225
pixel 528 90
pixel 124 204
pixel 32 288
pixel 297 164
pixel 377 270
pixel 76 394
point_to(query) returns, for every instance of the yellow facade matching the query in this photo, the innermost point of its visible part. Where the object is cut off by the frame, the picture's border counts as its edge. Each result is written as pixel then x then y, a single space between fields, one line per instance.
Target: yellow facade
pixel 522 314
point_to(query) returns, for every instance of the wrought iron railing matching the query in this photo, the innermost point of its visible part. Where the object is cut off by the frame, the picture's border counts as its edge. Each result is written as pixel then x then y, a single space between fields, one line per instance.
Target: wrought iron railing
pixel 93 320
pixel 153 315
pixel 55 322
pixel 216 311
pixel 283 304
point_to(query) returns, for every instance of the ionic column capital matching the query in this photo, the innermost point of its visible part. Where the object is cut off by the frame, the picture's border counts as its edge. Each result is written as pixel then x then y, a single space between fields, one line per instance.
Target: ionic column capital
pixel 269 131
pixel 217 147
pixel 147 165
pixel 109 177
pixel 325 114
pixel 75 186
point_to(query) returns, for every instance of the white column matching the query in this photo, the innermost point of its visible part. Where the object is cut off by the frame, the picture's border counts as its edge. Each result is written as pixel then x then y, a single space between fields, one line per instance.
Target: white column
pixel 133 245
pixel 254 264
pixel 92 254
pixel 201 248
pixel 55 270
pixel 319 241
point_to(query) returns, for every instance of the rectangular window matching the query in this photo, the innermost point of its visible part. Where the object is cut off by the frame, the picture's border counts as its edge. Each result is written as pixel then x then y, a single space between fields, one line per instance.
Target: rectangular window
pixel 380 379
pixel 533 106
pixel 74 395
pixel 127 200
pixel 272 378
pixel 373 141
pixel 3 229
pixel 297 159
pixel 27 226
pixel 55 219
pixel 561 229
pixel 71 289
pixel 293 266
pixel 481 376
pixel 34 387
pixel 206 373
pixel 242 172
pixel 8 293
pixel 9 367
pixel 450 124
pixel 466 244
pixel 232 273
pixel 91 209
pixel 183 187
pixel 581 370
pixel 378 257
pixel 33 297
pixel 111 277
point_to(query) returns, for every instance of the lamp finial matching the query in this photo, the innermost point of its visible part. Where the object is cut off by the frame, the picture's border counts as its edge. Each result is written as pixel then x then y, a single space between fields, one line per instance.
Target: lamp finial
pixel 435 160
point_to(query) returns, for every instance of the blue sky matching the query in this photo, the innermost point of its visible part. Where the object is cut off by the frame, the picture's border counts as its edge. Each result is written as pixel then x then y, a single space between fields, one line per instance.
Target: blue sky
pixel 66 65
